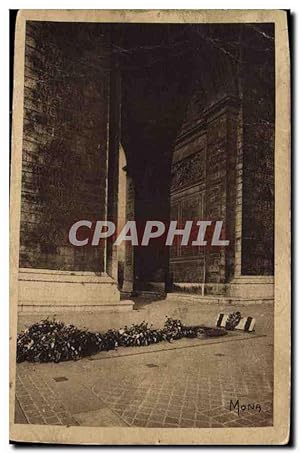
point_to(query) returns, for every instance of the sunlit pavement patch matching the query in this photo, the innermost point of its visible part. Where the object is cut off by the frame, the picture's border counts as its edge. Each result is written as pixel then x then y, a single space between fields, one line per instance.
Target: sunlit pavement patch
pixel 176 345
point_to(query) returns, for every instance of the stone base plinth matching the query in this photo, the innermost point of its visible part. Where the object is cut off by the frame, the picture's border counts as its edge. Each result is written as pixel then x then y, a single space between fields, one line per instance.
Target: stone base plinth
pixel 200 288
pixel 127 287
pixel 51 291
pixel 257 287
pixel 250 289
pixel 216 299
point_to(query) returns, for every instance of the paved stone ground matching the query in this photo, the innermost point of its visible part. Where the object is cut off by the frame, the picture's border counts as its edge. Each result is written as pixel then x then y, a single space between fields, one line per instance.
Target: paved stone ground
pixel 189 383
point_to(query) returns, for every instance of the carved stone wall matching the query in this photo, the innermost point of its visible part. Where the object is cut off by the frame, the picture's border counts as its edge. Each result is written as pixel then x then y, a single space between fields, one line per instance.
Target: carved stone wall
pixel 203 187
pixel 188 171
pixel 187 203
pixel 258 152
pixel 233 105
pixel 65 142
pixel 216 191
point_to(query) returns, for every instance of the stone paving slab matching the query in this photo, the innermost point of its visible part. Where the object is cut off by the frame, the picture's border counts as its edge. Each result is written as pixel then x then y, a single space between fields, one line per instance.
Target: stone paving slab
pixel 38 400
pixel 174 345
pixel 190 392
pixel 99 418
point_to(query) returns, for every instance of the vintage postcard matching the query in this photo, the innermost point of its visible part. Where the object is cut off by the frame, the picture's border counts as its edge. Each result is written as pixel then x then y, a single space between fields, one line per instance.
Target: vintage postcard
pixel 150 228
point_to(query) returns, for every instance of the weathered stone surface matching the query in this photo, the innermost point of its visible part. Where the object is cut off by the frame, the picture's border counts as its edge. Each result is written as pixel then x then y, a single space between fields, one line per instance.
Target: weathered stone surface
pixel 64 146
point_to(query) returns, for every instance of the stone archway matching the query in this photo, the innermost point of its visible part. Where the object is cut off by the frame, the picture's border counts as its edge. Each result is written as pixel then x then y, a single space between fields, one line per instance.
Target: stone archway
pixel 185 142
pixel 163 111
pixel 193 106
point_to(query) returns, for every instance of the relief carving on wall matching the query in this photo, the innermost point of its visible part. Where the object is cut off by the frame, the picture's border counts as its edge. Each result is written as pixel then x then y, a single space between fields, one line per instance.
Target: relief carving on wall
pixel 188 171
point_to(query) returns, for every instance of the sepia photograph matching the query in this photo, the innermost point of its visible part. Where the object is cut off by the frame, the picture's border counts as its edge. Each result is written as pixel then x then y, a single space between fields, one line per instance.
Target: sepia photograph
pixel 150 228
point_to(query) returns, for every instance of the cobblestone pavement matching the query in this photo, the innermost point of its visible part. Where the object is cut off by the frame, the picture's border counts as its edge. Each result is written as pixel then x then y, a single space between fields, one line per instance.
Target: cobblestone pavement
pixel 224 382
pixel 39 402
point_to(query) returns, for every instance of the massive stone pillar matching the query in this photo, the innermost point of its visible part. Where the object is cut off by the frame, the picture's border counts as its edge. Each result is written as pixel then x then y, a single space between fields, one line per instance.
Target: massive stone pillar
pixel 128 273
pixel 204 187
pixel 223 166
pixel 113 166
pixel 68 168
pixel 254 259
